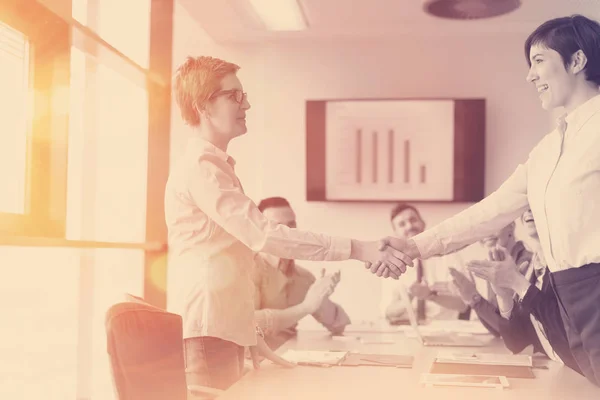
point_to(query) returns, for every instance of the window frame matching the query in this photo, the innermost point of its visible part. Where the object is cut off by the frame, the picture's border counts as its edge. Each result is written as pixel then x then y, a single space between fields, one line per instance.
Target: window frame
pixel 47 134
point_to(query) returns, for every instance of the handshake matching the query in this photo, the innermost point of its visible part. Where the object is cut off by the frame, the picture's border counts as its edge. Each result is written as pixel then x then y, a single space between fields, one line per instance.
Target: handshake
pixel 387 258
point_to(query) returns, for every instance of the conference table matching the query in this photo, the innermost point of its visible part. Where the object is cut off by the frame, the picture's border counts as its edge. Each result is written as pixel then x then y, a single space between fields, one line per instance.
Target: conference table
pixel 552 381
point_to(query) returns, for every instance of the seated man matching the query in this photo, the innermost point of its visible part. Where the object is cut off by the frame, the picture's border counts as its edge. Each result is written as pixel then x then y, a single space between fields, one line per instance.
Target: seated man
pixel 434 297
pixel 479 294
pixel 286 292
pixel 535 317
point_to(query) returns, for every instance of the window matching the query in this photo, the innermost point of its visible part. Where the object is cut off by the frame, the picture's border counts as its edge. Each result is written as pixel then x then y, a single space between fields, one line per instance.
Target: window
pixel 75 92
pixel 108 153
pixel 121 157
pixel 115 17
pixel 106 197
pixel 42 342
pixel 34 77
pixel 14 117
pixel 107 176
pixel 39 307
pixel 133 17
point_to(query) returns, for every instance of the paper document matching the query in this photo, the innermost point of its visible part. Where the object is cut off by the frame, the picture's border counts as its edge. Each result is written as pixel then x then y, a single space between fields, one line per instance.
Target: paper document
pixel 454 357
pixel 315 356
pixel 457 326
pixel 489 381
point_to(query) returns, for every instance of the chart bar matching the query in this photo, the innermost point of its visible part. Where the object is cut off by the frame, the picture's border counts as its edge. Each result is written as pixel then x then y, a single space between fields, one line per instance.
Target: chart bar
pixel 375 158
pixel 406 161
pixel 358 156
pixel 364 175
pixel 391 156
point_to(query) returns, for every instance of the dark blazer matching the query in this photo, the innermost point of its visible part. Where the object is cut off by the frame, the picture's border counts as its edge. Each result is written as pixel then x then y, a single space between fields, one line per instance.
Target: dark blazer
pixel 519 332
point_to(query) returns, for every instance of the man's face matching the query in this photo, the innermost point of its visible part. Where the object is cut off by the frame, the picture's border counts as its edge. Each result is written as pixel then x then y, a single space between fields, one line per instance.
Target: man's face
pixel 407 224
pixel 282 215
pixel 529 224
pixel 504 238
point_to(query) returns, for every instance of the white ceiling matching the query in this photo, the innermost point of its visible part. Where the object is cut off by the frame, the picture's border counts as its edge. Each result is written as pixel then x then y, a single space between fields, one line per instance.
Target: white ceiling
pixel 233 21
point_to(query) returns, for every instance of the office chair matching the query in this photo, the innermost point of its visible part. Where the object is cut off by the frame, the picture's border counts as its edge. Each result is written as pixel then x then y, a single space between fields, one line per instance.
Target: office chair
pixel 145 347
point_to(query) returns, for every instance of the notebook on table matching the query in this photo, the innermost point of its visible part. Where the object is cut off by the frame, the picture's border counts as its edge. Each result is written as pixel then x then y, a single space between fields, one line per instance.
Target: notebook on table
pixel 509 365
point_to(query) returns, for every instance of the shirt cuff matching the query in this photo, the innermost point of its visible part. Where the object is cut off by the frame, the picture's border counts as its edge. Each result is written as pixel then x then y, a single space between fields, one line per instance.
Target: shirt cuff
pixel 507 313
pixel 522 293
pixel 340 249
pixel 428 244
pixel 263 319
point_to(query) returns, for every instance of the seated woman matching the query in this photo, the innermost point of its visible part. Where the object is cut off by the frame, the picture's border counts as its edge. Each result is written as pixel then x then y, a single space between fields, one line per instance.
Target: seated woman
pixel 535 316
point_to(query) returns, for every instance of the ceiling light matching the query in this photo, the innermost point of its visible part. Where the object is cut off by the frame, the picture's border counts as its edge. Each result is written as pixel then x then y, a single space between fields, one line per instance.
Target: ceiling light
pixel 470 9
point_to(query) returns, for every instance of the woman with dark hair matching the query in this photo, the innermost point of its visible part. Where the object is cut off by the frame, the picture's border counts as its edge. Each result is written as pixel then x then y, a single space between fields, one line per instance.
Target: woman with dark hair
pixel 560 182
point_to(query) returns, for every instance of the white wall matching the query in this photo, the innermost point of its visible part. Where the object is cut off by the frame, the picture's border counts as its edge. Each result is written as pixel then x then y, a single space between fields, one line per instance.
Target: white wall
pixel 490 67
pixel 281 77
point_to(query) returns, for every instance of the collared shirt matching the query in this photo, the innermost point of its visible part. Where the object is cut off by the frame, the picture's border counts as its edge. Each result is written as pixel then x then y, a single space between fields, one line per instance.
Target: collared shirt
pixel 560 182
pixel 436 270
pixel 214 232
pixel 281 284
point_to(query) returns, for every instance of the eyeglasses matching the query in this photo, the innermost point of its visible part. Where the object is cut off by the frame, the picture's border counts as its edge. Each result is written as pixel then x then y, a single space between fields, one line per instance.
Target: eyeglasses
pixel 236 95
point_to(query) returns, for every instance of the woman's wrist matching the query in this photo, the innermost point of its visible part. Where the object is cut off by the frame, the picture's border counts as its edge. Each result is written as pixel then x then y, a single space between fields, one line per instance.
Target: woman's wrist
pixel 259 331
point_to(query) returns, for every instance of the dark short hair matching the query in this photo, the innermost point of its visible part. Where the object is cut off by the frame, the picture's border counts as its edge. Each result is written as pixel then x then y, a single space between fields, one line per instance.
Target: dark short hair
pixel 271 202
pixel 400 207
pixel 566 36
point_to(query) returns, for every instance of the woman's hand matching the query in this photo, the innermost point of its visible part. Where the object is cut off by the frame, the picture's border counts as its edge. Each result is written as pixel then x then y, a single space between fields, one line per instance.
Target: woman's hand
pixel 262 349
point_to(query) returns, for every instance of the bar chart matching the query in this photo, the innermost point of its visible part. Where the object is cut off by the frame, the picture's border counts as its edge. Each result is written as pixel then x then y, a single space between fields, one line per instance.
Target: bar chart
pixel 390 151
pixel 392 159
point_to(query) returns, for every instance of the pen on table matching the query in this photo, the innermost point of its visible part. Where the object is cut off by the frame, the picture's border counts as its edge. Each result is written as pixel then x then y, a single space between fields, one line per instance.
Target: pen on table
pixel 379 362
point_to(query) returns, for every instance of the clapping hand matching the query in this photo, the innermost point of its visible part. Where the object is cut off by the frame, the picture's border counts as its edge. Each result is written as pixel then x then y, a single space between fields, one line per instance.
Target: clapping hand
pixel 320 290
pixel 420 290
pixel 263 350
pixel 442 288
pixel 465 286
pixel 335 277
pixel 500 270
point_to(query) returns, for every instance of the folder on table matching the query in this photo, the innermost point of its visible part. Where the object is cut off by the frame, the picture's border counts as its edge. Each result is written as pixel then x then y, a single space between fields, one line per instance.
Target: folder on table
pixel 509 365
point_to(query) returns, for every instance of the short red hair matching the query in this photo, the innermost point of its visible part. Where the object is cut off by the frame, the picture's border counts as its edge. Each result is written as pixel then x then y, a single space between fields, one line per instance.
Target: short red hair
pixel 196 80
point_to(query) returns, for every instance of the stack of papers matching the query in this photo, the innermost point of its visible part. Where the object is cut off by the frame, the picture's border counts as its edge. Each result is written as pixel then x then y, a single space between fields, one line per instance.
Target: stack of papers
pixel 453 357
